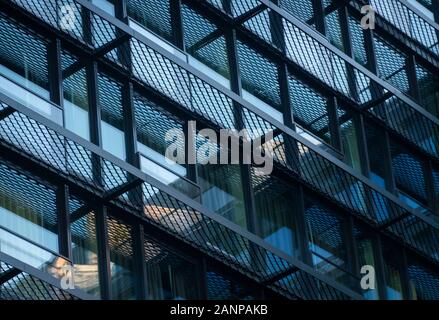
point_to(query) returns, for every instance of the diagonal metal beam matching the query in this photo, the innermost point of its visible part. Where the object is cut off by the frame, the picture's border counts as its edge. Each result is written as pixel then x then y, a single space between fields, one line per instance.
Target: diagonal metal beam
pixel 97 53
pixel 373 103
pixel 80 212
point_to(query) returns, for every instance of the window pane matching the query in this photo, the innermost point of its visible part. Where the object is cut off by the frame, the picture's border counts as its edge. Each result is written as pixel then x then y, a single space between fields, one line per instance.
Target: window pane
pixel 85 250
pixel 123 283
pixel 169 276
pixel 274 202
pixel 28 208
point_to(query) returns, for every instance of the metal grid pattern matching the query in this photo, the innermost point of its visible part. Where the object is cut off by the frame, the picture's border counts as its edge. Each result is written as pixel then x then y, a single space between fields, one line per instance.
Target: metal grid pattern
pixel 210 51
pixel 391 64
pixel 168 210
pixel 28 55
pixel 27 287
pixel 27 197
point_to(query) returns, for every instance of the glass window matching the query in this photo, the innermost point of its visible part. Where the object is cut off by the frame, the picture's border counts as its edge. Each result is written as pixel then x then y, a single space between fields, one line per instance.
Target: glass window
pixel 348 135
pixel 424 282
pixel 309 109
pixel 391 64
pixel 428 90
pixel 221 188
pixel 408 172
pixel 358 41
pixel 24 54
pixel 259 76
pixel 333 29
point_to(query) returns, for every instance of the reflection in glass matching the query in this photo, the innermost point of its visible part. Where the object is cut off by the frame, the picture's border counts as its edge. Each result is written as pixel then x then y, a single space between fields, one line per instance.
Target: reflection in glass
pixel 274 206
pixel 123 285
pixel 85 251
pixel 169 276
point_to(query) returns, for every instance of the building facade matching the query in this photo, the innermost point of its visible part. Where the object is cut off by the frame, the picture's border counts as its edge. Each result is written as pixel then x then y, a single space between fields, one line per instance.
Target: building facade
pixel 91 209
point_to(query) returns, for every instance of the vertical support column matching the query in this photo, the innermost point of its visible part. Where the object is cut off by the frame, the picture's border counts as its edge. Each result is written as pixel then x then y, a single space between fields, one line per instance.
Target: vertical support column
pixel 405 279
pixel 177 23
pixel 362 144
pixel 104 252
pixel 63 215
pixel 410 66
pixel 352 253
pixel 203 287
pixel 345 30
pixel 370 50
pixel 347 44
pixel 94 117
pixel 319 16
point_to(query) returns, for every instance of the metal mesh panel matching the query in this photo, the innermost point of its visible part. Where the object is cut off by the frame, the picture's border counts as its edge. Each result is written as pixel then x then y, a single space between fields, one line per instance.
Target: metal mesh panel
pixel 259 75
pixel 27 198
pixel 409 22
pixel 211 51
pixel 220 287
pixel 357 41
pixel 153 14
